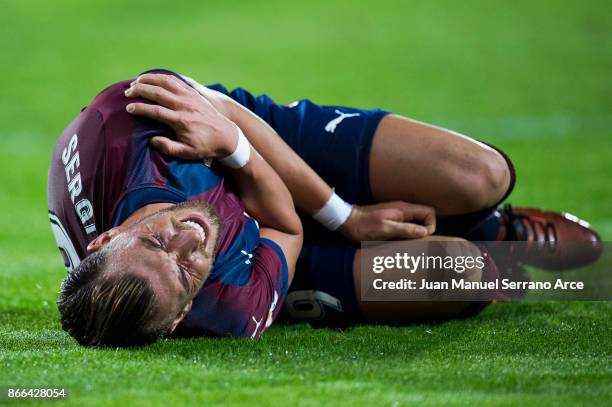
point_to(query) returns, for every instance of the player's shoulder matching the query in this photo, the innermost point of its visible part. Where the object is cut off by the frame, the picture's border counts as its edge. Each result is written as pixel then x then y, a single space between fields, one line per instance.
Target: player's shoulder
pixel 111 99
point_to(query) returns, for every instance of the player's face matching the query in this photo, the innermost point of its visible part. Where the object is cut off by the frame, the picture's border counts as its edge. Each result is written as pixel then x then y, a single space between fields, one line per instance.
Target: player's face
pixel 173 248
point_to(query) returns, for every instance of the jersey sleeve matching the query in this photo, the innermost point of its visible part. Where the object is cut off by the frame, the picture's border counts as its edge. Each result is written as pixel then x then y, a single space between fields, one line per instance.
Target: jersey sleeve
pixel 226 308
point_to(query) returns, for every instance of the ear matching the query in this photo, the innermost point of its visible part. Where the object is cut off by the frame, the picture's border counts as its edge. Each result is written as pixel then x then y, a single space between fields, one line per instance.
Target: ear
pixel 180 317
pixel 103 239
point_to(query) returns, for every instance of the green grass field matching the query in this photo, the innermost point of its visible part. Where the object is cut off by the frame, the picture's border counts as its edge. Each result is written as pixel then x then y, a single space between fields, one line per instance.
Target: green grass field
pixel 532 77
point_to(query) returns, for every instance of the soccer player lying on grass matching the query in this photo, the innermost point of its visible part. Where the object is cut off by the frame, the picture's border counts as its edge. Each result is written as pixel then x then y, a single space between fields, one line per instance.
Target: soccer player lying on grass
pixel 157 242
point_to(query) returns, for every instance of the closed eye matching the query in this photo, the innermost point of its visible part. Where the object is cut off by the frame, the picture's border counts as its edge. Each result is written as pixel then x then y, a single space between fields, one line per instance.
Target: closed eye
pixel 151 243
pixel 182 274
pixel 155 243
pixel 159 242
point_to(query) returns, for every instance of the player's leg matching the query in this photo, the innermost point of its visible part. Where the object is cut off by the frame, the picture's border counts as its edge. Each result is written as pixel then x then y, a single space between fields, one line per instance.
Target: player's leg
pixel 402 312
pixel 407 311
pixel 421 163
pixel 327 292
pixel 466 179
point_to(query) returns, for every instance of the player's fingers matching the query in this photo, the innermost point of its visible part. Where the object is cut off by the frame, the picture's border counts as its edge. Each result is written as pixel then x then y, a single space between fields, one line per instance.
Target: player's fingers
pixel 169 82
pixel 426 215
pixel 155 112
pixel 173 148
pixel 153 93
pixel 404 230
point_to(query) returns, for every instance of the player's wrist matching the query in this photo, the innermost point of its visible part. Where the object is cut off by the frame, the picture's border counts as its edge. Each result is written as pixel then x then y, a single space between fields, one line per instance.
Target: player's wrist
pixel 334 213
pixel 228 140
pixel 237 149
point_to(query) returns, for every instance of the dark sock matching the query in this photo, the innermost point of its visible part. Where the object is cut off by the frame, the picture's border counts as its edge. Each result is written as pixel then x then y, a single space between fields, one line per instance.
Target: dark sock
pixel 478 226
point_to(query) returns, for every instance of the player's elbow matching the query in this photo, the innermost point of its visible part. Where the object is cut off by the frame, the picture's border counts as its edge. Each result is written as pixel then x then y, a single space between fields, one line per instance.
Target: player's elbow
pixel 294 226
pixel 288 222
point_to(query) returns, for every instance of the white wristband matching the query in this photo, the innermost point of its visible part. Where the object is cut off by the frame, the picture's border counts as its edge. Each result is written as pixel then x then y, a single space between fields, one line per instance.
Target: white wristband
pixel 334 213
pixel 240 157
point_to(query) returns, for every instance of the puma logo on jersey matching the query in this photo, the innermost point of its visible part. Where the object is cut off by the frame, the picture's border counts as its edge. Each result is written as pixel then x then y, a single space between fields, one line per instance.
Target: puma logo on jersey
pixel 331 126
pixel 269 316
pixel 271 310
pixel 257 323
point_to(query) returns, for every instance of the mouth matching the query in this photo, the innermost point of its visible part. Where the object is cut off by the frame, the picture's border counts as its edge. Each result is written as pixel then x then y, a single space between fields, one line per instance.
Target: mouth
pixel 200 225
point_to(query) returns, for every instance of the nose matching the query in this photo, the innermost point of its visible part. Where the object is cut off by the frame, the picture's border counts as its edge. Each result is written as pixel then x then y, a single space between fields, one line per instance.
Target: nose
pixel 184 242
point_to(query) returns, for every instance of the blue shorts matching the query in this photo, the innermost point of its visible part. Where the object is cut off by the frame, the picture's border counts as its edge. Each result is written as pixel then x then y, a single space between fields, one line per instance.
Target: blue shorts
pixel 336 142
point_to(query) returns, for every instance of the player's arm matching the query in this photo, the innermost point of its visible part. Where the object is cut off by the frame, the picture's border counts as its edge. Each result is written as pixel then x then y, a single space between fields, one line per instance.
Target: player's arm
pixel 268 200
pixel 203 132
pixel 391 220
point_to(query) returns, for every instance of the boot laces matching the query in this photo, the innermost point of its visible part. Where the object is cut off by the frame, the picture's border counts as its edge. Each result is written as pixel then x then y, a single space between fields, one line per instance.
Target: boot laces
pixel 528 224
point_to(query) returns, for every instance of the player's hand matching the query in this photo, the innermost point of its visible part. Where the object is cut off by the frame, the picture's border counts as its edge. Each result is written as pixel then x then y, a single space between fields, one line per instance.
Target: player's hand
pixel 220 101
pixel 201 131
pixel 395 220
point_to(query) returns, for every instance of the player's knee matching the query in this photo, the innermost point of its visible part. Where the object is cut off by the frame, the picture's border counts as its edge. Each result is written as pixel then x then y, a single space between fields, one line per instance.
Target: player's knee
pixel 497 178
pixel 490 180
